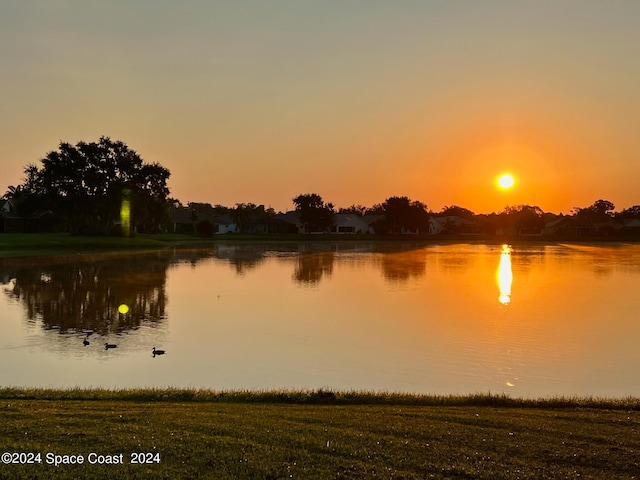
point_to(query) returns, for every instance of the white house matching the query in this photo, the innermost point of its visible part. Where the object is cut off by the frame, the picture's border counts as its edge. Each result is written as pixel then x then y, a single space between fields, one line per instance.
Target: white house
pixel 349 223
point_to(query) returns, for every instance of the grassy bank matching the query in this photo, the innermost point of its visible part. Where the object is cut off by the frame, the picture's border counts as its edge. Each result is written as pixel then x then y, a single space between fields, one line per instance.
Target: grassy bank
pixel 202 434
pixel 33 244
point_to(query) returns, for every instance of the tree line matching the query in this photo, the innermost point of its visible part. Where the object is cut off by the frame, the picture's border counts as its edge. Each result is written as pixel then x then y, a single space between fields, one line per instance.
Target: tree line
pixel 104 187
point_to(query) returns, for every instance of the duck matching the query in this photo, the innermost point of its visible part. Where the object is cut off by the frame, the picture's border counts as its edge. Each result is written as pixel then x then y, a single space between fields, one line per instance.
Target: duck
pixel 107 346
pixel 85 342
pixel 157 352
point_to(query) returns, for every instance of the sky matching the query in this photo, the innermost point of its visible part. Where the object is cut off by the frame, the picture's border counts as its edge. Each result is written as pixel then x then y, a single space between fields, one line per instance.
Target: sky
pixel 356 100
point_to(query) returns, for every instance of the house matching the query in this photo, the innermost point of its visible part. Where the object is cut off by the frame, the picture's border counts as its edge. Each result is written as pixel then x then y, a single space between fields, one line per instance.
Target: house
pixel 627 227
pixel 10 221
pixel 452 224
pixel 373 221
pixel 292 218
pixel 567 226
pixel 223 224
pixel 182 220
pixel 269 225
pixel 349 223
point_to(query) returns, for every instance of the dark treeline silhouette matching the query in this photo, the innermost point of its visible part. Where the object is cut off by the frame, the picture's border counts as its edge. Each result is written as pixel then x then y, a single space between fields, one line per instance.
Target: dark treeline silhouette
pixel 94 188
pixel 104 187
pixel 403 216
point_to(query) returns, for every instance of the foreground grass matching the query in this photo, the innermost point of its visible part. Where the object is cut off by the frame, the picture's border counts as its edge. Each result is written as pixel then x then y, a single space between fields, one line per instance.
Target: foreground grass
pixel 264 435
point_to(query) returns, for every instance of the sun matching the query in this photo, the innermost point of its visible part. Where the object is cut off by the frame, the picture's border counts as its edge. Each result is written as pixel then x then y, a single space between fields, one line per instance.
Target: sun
pixel 505 181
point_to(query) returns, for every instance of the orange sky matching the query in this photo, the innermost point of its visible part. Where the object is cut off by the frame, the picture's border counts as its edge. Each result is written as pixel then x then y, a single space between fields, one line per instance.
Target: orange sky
pixel 256 102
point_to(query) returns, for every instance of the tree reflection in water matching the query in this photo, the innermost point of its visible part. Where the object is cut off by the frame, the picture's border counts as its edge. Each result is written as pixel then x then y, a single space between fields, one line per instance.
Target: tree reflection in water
pixel 400 267
pixel 84 295
pixel 311 267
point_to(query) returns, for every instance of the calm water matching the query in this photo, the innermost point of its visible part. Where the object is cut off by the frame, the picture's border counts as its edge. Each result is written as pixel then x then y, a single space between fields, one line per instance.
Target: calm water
pixel 532 321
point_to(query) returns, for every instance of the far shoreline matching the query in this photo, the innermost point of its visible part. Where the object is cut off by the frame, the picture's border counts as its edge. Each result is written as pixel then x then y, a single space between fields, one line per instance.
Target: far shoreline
pixel 22 245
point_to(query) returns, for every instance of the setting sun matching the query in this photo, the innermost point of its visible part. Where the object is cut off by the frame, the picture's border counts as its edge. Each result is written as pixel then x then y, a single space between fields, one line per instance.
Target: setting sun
pixel 505 181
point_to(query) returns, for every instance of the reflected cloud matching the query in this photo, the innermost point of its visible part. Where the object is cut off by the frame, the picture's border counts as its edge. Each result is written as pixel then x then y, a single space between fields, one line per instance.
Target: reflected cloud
pixel 504 275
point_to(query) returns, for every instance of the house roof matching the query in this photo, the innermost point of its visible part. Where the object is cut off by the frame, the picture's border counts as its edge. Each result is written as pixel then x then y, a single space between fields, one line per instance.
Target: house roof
pixel 558 222
pixel 223 219
pixel 630 223
pixel 292 217
pixel 341 219
pixel 8 207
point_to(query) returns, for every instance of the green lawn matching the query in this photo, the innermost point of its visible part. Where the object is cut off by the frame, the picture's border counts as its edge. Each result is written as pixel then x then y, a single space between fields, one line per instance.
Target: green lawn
pixel 317 436
pixel 27 244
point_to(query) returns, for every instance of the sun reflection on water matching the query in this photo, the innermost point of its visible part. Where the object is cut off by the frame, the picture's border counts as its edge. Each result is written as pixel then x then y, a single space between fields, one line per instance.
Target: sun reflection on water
pixel 504 275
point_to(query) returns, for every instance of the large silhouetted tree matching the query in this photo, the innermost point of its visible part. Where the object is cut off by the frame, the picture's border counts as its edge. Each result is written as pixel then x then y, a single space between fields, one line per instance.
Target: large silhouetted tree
pixel 93 186
pixel 401 215
pixel 456 211
pixel 600 211
pixel 521 219
pixel 315 215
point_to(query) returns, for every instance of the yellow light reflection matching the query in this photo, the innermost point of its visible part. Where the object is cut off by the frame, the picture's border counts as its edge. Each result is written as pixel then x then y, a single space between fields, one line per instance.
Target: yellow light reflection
pixel 505 275
pixel 125 213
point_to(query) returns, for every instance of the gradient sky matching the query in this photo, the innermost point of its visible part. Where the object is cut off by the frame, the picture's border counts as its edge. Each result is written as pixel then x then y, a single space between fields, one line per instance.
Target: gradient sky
pixel 255 101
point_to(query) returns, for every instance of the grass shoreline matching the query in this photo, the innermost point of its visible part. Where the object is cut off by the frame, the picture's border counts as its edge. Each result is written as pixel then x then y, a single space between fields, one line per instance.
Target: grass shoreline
pixel 317 397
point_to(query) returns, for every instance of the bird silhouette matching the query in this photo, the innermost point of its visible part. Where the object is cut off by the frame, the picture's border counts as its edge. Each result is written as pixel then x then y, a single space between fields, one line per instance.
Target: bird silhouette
pixel 107 346
pixel 157 352
pixel 85 342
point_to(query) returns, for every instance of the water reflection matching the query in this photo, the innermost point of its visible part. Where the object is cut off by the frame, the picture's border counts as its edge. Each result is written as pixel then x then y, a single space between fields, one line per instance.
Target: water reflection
pixel 88 295
pixel 401 267
pixel 236 317
pixel 310 268
pixel 504 275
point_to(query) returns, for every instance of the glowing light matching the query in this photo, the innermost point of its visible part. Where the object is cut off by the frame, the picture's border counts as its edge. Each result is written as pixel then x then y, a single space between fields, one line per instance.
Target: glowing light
pixel 125 213
pixel 504 275
pixel 505 181
pixel 123 309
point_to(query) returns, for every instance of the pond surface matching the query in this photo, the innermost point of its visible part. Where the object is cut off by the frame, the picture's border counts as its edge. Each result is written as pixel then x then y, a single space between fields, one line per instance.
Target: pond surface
pixel 531 321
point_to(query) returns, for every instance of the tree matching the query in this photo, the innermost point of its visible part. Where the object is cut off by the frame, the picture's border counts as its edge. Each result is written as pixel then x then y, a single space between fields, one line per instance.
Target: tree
pixel 521 219
pixel 404 216
pixel 600 211
pixel 358 210
pixel 631 212
pixel 93 186
pixel 315 215
pixel 456 211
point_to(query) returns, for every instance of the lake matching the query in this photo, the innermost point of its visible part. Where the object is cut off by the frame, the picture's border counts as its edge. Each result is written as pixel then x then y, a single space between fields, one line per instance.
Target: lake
pixel 529 320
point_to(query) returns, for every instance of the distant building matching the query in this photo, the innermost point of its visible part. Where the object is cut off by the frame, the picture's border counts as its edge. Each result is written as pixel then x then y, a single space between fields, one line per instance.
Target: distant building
pixel 350 223
pixel 10 221
pixel 453 224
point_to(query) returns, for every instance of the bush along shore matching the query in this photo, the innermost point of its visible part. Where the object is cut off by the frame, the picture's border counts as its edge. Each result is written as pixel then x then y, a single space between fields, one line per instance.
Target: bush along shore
pixel 184 433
